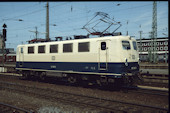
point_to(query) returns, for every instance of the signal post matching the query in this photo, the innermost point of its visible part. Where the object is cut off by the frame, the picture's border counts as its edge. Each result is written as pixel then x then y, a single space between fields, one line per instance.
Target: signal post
pixel 3 42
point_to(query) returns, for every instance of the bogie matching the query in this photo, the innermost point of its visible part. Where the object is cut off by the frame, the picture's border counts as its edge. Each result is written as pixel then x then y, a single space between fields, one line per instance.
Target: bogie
pixel 26 75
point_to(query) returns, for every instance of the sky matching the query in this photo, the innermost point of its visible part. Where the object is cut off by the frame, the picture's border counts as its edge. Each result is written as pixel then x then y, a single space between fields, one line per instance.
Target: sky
pixel 68 18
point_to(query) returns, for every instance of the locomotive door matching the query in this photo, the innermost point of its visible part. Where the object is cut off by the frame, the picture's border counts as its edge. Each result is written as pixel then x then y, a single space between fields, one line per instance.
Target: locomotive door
pixel 21 56
pixel 103 55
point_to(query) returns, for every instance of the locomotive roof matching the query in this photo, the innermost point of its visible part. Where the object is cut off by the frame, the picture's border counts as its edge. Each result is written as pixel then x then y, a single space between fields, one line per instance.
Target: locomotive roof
pixel 80 40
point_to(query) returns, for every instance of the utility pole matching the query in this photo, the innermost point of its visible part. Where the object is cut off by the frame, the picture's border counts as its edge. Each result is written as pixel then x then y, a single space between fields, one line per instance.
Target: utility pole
pixel 127 28
pixel 154 31
pixel 36 32
pixel 150 52
pixel 140 41
pixel 47 22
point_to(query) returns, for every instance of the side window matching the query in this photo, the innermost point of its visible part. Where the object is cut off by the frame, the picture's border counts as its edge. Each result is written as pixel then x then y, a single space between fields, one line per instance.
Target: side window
pixel 54 48
pixel 31 50
pixel 83 47
pixel 41 49
pixel 67 48
pixel 134 45
pixel 22 50
pixel 103 45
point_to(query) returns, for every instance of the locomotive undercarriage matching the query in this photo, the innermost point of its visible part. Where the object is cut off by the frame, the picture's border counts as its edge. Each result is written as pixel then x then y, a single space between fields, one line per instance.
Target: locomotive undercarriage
pixel 127 79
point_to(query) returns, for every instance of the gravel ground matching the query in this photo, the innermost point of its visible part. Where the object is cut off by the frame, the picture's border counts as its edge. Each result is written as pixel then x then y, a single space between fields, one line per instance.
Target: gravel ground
pixel 154 84
pixel 39 105
pixel 43 105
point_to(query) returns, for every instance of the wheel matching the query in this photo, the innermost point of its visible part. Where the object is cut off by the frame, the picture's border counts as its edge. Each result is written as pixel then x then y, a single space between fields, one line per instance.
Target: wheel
pixel 25 75
pixel 43 76
pixel 72 79
pixel 98 82
pixel 102 83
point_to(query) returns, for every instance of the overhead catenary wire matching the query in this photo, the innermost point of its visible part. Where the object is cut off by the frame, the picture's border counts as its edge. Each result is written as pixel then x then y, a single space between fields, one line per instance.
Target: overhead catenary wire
pixel 82 17
pixel 27 14
pixel 36 11
pixel 76 18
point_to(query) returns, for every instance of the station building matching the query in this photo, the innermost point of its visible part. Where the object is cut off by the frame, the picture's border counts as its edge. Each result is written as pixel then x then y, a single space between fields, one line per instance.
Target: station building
pixel 145 47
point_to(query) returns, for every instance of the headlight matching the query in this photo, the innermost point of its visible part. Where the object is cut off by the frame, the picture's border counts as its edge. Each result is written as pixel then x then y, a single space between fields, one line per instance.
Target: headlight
pixel 126 62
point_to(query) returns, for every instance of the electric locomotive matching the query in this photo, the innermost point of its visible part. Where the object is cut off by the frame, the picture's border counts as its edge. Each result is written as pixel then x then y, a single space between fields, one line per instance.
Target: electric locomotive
pixel 102 60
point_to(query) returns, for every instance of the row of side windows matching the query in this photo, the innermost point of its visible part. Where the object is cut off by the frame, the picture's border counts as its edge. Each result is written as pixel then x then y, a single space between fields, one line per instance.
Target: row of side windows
pixel 82 47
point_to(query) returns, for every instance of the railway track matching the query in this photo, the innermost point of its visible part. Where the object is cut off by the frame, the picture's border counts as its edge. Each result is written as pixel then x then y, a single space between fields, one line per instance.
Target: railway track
pixel 101 104
pixel 154 79
pixel 158 77
pixel 148 90
pixel 6 108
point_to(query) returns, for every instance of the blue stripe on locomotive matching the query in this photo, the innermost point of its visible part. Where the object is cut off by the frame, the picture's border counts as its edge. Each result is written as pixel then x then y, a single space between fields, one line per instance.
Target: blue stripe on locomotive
pixel 116 68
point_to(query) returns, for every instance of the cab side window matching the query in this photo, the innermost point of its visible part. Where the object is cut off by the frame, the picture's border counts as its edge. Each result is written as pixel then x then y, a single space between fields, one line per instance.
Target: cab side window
pixel 103 45
pixel 134 45
pixel 22 51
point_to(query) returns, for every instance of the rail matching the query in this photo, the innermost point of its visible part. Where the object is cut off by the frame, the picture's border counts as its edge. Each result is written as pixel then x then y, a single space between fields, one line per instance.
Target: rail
pixel 154 66
pixel 155 78
pixel 82 100
pixel 6 108
pixel 148 90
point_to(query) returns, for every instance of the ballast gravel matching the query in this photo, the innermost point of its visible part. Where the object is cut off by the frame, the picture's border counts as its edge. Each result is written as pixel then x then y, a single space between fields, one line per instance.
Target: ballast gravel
pixel 46 106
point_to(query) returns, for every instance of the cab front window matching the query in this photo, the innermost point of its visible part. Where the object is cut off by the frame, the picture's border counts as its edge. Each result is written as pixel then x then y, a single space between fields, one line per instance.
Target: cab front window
pixel 126 45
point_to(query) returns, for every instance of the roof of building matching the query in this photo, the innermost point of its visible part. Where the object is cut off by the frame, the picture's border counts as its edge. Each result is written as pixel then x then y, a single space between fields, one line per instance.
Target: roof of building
pixel 152 38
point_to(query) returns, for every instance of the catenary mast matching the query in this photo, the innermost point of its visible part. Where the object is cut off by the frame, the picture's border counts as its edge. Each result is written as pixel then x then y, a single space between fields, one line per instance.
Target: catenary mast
pixel 47 22
pixel 154 32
